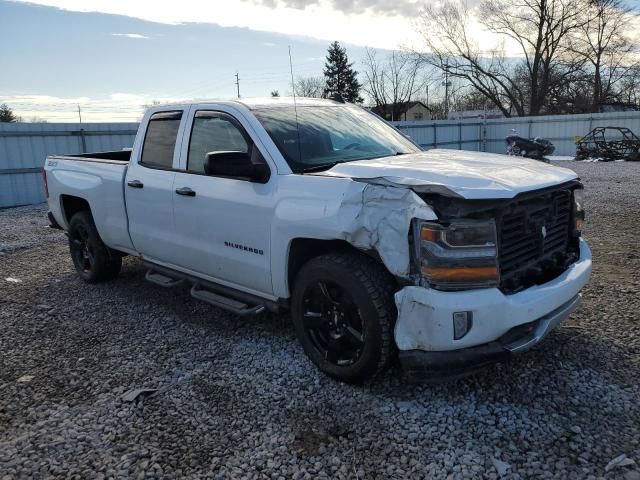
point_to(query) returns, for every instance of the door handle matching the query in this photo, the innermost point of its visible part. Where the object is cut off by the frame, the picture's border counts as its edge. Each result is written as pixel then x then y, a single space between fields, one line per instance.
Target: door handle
pixel 186 191
pixel 135 184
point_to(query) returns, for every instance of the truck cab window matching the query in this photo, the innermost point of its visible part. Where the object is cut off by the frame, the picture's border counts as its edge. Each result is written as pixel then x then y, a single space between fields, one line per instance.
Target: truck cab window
pixel 160 140
pixel 213 132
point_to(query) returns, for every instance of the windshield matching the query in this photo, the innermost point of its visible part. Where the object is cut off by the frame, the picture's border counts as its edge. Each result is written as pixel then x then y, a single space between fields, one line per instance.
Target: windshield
pixel 325 136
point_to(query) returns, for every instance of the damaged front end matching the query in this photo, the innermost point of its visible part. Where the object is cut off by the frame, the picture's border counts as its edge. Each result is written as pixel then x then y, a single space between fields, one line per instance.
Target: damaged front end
pixel 480 276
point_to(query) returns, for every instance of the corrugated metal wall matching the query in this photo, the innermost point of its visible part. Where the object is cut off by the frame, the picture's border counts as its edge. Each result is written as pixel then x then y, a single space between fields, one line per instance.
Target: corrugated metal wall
pixel 24 146
pixel 489 136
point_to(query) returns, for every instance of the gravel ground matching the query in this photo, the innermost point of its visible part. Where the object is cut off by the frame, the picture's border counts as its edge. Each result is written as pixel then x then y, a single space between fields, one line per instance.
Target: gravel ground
pixel 238 399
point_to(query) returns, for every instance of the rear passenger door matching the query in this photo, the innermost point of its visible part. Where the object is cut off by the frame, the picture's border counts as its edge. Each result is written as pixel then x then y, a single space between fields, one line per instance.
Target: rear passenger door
pixel 224 225
pixel 148 186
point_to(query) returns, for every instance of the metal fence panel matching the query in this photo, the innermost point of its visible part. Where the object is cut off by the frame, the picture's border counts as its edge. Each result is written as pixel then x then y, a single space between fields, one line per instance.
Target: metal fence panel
pixel 24 146
pixel 489 135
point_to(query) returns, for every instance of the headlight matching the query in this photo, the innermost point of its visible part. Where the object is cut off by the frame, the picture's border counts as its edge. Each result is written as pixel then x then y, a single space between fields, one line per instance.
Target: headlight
pixel 459 256
pixel 578 209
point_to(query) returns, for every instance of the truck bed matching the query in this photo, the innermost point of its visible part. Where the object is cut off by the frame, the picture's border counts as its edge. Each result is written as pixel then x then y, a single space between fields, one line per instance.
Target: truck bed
pixel 98 179
pixel 118 156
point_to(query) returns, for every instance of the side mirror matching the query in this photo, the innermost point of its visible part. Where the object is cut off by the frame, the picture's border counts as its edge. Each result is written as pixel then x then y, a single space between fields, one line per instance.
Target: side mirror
pixel 236 165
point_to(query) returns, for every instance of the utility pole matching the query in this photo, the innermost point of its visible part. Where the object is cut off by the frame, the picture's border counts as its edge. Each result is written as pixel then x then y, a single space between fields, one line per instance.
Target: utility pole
pixel 446 92
pixel 238 84
pixel 82 139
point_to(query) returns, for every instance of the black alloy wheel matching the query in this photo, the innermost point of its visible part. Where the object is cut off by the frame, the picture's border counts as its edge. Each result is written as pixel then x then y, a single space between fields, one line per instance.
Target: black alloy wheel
pixel 333 322
pixel 93 260
pixel 343 312
pixel 81 249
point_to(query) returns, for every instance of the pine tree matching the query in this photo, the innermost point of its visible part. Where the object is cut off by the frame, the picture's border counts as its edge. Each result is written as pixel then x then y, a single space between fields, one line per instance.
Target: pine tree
pixel 6 114
pixel 340 77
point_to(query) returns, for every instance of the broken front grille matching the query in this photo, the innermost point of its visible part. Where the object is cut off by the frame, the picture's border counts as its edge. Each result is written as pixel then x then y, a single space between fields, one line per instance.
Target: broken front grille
pixel 535 241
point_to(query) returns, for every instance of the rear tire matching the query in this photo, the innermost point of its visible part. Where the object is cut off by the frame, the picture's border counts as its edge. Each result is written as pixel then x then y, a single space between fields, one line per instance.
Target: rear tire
pixel 343 314
pixel 93 260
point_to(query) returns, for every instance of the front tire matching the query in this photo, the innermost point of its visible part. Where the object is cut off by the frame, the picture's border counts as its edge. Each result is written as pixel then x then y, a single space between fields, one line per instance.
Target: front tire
pixel 93 260
pixel 343 314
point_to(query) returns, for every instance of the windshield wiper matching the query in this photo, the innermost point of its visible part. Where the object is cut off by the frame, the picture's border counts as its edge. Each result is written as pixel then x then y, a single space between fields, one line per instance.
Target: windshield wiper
pixel 321 167
pixel 330 165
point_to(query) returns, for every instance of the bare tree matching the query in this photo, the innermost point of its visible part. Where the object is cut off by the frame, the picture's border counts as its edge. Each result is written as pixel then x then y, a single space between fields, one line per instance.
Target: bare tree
pixel 309 86
pixel 604 41
pixel 392 81
pixel 629 87
pixel 538 28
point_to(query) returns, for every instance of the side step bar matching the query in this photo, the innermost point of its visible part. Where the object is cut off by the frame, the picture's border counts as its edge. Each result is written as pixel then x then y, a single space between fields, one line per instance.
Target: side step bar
pixel 235 301
pixel 227 303
pixel 156 277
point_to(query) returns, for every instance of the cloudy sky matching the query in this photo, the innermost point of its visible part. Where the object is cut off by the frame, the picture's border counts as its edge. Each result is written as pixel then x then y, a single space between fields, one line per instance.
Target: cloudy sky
pixel 113 56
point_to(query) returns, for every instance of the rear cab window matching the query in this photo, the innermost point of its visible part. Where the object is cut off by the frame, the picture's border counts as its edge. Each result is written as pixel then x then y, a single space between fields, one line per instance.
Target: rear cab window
pixel 160 140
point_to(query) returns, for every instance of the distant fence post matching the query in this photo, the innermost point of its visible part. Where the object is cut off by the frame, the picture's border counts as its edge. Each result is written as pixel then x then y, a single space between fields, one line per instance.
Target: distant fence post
pixel 484 135
pixel 84 142
pixel 435 136
pixel 459 135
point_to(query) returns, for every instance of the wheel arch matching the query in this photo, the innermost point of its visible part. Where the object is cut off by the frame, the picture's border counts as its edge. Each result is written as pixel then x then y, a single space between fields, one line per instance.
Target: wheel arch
pixel 302 250
pixel 71 204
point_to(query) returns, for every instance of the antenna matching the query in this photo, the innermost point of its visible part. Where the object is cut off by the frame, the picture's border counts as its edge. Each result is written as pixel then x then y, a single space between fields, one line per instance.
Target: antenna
pixel 295 106
pixel 79 113
pixel 238 84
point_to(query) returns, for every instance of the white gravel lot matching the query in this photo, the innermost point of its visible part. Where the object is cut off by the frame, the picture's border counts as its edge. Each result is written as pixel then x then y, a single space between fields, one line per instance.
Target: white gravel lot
pixel 239 399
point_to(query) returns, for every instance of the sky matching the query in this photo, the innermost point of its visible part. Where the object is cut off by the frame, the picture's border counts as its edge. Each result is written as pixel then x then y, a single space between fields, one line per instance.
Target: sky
pixel 114 56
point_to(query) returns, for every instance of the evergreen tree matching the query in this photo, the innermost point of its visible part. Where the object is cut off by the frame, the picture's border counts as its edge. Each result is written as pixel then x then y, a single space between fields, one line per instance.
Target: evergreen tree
pixel 6 114
pixel 340 77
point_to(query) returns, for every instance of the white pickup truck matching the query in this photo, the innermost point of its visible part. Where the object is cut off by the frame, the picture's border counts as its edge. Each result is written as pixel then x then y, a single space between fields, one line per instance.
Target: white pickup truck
pixel 446 259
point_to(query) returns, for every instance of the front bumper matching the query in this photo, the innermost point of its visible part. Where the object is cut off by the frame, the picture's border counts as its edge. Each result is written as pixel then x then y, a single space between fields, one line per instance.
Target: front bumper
pixel 421 364
pixel 502 324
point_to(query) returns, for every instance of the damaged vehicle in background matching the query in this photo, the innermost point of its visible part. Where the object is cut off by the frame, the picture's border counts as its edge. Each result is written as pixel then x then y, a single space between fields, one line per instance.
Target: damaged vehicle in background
pixel 447 259
pixel 536 148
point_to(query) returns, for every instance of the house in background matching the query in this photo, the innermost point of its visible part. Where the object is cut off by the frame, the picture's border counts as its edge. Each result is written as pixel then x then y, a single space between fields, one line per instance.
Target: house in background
pixel 405 111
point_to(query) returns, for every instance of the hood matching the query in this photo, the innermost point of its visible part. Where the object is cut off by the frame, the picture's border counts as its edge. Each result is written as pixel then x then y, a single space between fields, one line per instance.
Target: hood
pixel 471 175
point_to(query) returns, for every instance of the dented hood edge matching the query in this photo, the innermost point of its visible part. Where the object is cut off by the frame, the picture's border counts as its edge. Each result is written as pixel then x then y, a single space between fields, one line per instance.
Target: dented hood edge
pixel 452 173
pixel 435 188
